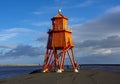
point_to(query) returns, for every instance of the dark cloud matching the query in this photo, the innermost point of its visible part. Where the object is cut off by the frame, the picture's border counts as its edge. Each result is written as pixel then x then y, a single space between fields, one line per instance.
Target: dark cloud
pixel 42 39
pixel 105 25
pixel 99 59
pixel 6 46
pixel 98 40
pixel 109 42
pixel 24 50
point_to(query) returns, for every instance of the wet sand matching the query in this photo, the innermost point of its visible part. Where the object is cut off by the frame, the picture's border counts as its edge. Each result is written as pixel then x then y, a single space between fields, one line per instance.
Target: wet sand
pixel 82 77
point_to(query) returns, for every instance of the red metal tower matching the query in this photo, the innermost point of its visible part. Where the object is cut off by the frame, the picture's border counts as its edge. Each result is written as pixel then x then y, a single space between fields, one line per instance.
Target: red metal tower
pixel 59 45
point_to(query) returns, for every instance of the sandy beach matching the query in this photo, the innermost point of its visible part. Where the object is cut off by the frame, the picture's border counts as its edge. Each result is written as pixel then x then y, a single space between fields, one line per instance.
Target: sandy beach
pixel 82 77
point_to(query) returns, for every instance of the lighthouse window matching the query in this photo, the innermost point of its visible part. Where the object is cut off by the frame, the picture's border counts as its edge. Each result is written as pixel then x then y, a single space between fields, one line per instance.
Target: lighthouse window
pixel 54 22
pixel 50 38
pixel 66 39
pixel 65 26
pixel 58 27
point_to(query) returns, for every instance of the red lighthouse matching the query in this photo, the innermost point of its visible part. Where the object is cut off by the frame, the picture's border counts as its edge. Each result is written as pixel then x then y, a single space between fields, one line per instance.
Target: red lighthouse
pixel 59 45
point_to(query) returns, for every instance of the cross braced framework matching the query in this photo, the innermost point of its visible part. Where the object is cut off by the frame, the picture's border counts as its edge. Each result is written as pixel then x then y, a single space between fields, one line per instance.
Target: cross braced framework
pixel 54 59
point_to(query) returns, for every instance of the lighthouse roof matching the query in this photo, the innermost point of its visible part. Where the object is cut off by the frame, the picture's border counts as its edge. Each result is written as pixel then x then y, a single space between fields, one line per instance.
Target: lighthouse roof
pixel 59 15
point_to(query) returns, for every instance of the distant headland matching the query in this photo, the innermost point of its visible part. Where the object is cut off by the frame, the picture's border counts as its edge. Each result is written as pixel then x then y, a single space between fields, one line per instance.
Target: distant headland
pixel 20 65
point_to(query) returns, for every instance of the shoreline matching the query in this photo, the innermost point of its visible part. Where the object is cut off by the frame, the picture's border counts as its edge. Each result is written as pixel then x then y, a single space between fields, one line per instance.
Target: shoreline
pixel 65 65
pixel 2 65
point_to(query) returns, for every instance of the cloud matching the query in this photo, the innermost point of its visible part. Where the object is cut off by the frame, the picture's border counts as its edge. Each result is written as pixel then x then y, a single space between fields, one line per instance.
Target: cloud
pixel 113 10
pixel 17 30
pixel 43 38
pixel 13 32
pixel 99 47
pixel 22 60
pixel 65 4
pixel 6 36
pixel 19 48
pixel 75 20
pixel 42 10
pixel 109 42
pixel 6 47
pixel 102 51
pixel 85 3
pixel 24 50
pixel 99 59
pixel 98 40
pixel 103 26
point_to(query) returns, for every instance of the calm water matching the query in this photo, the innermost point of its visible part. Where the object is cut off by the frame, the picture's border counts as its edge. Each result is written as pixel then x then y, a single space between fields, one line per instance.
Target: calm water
pixel 8 72
pixel 113 68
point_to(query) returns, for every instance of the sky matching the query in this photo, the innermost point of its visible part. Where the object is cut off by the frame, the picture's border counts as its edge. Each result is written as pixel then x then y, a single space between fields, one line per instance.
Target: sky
pixel 24 25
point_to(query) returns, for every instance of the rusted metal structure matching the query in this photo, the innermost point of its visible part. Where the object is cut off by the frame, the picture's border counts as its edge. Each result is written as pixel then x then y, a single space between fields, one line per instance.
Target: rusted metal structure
pixel 59 45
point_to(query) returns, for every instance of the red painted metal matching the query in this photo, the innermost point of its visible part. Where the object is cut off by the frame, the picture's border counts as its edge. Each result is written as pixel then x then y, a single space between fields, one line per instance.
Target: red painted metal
pixel 59 45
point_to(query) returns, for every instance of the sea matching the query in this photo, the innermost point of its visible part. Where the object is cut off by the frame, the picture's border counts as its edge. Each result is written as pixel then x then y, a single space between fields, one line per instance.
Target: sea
pixel 14 71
